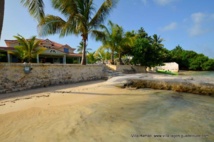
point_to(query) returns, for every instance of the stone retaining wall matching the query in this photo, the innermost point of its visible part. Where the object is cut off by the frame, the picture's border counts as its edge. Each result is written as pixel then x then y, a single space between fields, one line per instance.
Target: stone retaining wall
pixel 13 78
pixel 122 68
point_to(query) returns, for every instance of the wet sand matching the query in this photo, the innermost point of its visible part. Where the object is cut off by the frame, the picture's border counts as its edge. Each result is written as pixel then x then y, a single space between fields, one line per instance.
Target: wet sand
pixel 97 111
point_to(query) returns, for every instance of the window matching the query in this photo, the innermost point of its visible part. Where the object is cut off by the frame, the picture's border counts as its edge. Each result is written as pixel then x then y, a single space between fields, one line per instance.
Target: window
pixel 66 50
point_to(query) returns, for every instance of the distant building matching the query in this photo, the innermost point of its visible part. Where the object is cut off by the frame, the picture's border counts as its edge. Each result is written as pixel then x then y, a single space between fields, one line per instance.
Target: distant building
pixel 55 53
pixel 172 66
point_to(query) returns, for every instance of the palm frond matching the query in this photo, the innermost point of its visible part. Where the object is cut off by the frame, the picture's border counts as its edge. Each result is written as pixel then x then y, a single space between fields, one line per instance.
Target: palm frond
pixel 52 25
pixel 22 42
pixel 28 48
pixel 35 8
pixel 101 14
pixel 67 7
pixel 98 35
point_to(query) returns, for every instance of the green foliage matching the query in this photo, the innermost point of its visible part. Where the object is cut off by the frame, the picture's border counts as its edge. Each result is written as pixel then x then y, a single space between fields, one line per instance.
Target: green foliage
pixel 35 8
pixel 27 48
pixel 102 55
pixel 208 65
pixel 196 63
pixel 91 58
pixel 148 51
pixel 80 48
pixel 81 18
pixel 2 55
pixel 190 60
pixel 109 36
pixel 114 39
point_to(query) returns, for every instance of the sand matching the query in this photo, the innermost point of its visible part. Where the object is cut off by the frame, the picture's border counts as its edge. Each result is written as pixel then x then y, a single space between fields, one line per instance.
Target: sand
pixel 98 111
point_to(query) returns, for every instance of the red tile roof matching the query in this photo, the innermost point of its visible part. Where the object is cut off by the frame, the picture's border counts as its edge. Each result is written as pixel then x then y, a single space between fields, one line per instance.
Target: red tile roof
pixel 75 55
pixel 58 45
pixel 7 48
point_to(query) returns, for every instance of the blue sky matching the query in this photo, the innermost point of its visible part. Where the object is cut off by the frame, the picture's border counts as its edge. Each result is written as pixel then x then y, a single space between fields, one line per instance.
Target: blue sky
pixel 189 23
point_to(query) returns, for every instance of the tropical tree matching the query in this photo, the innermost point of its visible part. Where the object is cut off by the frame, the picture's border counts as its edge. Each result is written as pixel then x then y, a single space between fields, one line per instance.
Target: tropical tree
pixel 147 50
pixel 109 36
pixel 19 53
pixel 28 48
pixel 125 44
pixel 197 62
pixel 102 54
pixel 81 19
pixel 35 8
pixel 80 48
pixel 208 65
pixel 91 58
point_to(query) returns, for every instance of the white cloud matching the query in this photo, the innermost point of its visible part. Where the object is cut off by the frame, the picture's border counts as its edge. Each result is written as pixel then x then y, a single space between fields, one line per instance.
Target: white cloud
pixel 199 21
pixel 198 17
pixel 144 2
pixel 169 27
pixel 163 2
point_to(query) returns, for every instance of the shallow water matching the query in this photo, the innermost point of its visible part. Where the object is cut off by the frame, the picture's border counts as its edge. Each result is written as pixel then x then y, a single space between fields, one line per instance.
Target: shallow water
pixel 198 73
pixel 119 115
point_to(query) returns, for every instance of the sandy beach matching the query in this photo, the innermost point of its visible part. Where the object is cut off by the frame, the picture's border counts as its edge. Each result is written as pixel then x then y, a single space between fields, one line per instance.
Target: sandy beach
pixel 97 111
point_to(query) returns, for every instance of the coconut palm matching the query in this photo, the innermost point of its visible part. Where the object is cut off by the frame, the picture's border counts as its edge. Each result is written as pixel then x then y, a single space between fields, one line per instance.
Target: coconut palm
pixel 80 48
pixel 124 44
pixel 19 53
pixel 157 41
pixel 80 19
pixel 102 55
pixel 109 36
pixel 91 58
pixel 28 48
pixel 35 8
pixel 113 38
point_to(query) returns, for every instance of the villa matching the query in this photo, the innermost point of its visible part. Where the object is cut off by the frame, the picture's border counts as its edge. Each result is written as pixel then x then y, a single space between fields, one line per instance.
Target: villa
pixel 55 53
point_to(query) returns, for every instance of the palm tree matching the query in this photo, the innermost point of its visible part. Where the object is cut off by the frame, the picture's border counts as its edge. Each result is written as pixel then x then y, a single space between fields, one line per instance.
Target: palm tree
pixel 124 44
pixel 81 19
pixel 28 48
pixel 35 8
pixel 1 15
pixel 80 48
pixel 109 37
pixel 102 55
pixel 91 58
pixel 157 41
pixel 19 53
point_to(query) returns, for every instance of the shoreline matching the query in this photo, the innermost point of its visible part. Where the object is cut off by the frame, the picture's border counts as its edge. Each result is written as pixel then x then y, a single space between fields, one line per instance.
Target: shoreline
pixel 186 84
pixel 100 111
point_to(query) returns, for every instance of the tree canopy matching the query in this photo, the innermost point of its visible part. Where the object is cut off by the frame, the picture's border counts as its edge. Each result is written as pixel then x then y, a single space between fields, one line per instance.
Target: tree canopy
pixel 80 19
pixel 27 48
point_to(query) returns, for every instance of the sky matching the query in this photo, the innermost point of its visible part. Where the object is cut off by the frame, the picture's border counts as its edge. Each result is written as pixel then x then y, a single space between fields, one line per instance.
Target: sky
pixel 188 23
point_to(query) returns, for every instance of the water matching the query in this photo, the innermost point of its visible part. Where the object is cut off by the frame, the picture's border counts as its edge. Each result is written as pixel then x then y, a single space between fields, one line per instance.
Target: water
pixel 105 113
pixel 198 73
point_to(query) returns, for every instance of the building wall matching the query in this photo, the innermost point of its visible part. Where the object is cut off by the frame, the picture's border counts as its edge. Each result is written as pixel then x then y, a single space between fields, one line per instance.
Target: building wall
pixel 13 78
pixel 173 67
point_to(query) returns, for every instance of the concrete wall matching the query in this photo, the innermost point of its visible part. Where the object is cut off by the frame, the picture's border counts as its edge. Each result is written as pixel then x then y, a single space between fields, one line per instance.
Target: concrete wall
pixel 13 78
pixel 121 68
pixel 173 67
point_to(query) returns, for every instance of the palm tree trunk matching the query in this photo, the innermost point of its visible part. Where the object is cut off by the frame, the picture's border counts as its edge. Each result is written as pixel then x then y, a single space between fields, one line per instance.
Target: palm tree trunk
pixel 83 62
pixel 112 57
pixel 1 15
pixel 120 60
